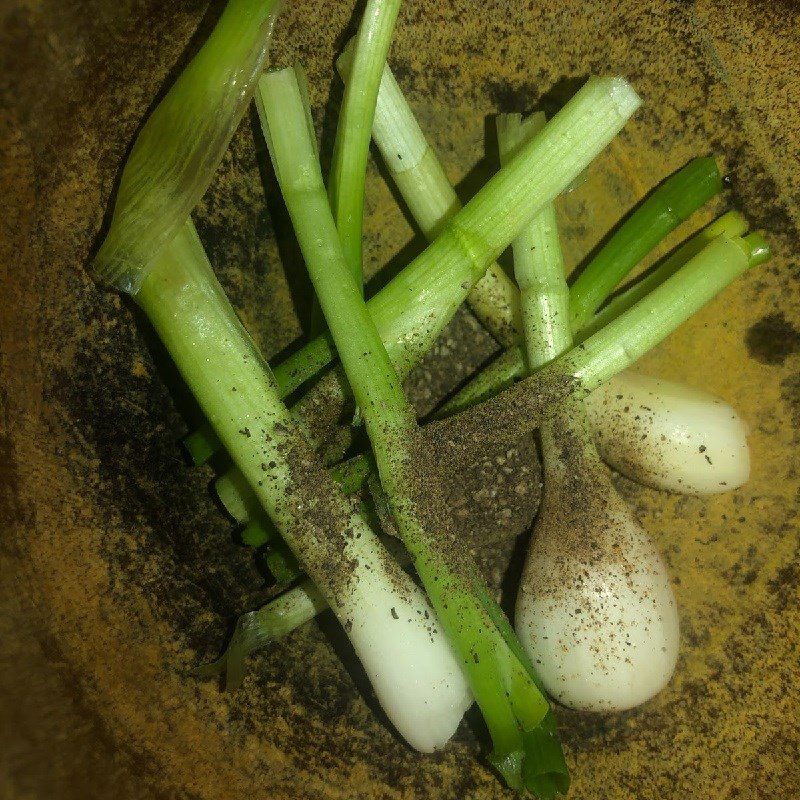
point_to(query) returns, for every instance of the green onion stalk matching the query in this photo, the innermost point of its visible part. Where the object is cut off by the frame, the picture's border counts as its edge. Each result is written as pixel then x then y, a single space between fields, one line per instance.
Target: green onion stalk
pixel 412 310
pixel 519 409
pixel 387 617
pixel 511 364
pixel 418 174
pixel 354 129
pixel 384 614
pixel 495 299
pixel 183 141
pixel 526 750
pixel 585 546
pixel 409 311
pixel 346 182
pixel 652 446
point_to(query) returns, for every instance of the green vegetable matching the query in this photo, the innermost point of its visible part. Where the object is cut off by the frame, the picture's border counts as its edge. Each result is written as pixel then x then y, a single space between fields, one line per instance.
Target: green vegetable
pixel 414 307
pixel 411 667
pixel 667 206
pixel 257 629
pixel 510 365
pixel 432 201
pixel 538 262
pixel 354 129
pixel 578 664
pixel 180 146
pixel 281 562
pixel 509 699
pixel 730 224
pixel 705 275
pixel 501 420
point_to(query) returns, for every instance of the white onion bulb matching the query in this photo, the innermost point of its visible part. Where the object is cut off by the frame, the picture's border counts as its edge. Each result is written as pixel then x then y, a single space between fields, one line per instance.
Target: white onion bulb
pixel 595 609
pixel 668 435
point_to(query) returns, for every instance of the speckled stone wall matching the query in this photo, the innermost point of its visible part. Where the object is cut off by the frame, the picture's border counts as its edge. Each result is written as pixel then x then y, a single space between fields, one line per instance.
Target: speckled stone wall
pixel 118 571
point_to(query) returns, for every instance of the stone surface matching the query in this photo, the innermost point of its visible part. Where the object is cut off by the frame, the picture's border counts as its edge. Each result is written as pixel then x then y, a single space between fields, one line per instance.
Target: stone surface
pixel 119 573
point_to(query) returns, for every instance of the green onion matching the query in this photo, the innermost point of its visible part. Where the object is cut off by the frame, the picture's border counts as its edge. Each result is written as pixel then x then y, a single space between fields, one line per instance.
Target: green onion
pixel 180 146
pixel 538 263
pixel 201 444
pixel 510 365
pixel 670 204
pixel 542 391
pixel 584 536
pixel 281 562
pixel 510 700
pixel 414 307
pixel 257 629
pixel 354 129
pixel 730 224
pixel 411 667
pixel 257 531
pixel 432 201
pixel 501 420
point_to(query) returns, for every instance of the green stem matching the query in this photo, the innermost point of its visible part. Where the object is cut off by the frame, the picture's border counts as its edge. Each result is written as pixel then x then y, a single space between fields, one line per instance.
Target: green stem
pixel 537 396
pixel 666 207
pixel 431 199
pixel 182 143
pixel 520 408
pixel 282 564
pixel 337 548
pixel 354 129
pixel 730 224
pixel 257 629
pixel 511 365
pixel 538 262
pixel 201 444
pixel 413 308
pixel 510 701
pixel 191 314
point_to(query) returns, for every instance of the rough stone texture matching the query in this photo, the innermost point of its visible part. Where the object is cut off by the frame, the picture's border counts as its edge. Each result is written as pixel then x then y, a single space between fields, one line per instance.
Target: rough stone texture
pixel 118 572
